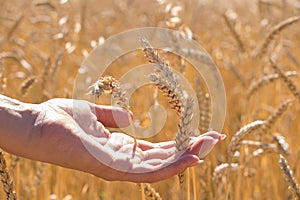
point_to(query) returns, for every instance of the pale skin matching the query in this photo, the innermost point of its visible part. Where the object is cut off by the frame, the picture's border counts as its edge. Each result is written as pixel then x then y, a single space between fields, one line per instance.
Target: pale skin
pixel 76 137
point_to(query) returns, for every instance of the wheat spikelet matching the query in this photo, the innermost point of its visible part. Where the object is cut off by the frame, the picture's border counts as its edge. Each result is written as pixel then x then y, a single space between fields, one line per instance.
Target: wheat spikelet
pixel 266 80
pixel 168 90
pixel 150 192
pixel 7 183
pixel 234 32
pixel 241 134
pixel 290 84
pixel 273 32
pixel 294 186
pixel 276 115
pixel 27 84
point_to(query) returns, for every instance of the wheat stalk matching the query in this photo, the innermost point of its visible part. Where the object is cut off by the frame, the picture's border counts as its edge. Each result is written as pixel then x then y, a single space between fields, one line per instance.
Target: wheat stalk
pixel 294 186
pixel 273 32
pixel 266 80
pixel 7 183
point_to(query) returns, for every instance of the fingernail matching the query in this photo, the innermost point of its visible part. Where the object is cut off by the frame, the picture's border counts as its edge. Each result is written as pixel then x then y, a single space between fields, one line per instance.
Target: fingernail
pixel 197 163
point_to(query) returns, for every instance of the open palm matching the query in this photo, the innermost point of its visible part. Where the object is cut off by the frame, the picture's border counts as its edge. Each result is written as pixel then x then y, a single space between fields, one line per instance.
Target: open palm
pixel 73 135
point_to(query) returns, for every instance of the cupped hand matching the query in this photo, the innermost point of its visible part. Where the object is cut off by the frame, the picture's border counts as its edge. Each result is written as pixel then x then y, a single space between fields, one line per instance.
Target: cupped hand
pixel 73 135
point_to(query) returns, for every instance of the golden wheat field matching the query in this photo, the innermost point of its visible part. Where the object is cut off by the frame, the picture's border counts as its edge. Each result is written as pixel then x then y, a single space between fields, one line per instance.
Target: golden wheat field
pixel 255 45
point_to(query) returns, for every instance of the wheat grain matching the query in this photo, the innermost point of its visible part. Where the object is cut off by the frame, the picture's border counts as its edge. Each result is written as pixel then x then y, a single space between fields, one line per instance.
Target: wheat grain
pixel 273 32
pixel 294 186
pixel 7 183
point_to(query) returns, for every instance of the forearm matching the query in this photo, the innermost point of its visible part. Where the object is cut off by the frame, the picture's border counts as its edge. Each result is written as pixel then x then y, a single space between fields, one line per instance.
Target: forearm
pixel 17 125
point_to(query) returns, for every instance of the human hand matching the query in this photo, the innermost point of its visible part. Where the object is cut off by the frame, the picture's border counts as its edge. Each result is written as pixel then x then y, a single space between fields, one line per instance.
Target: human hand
pixel 72 134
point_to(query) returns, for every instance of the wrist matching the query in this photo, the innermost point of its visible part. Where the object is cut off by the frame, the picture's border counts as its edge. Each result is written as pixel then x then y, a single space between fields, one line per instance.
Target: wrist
pixel 17 125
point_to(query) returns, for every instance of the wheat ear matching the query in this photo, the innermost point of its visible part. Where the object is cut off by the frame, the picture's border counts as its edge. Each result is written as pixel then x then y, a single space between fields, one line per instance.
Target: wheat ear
pixel 273 32
pixel 110 85
pixel 266 80
pixel 289 83
pixel 7 183
pixel 164 78
pixel 282 145
pixel 150 192
pixel 276 115
pixel 234 32
pixel 241 134
pixel 294 186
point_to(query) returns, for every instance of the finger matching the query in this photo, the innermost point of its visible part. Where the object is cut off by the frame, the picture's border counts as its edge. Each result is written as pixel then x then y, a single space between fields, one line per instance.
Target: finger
pixel 145 145
pixel 111 116
pixel 203 145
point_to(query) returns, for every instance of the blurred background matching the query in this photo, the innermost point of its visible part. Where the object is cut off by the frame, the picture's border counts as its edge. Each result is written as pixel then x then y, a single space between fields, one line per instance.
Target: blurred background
pixel 43 43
